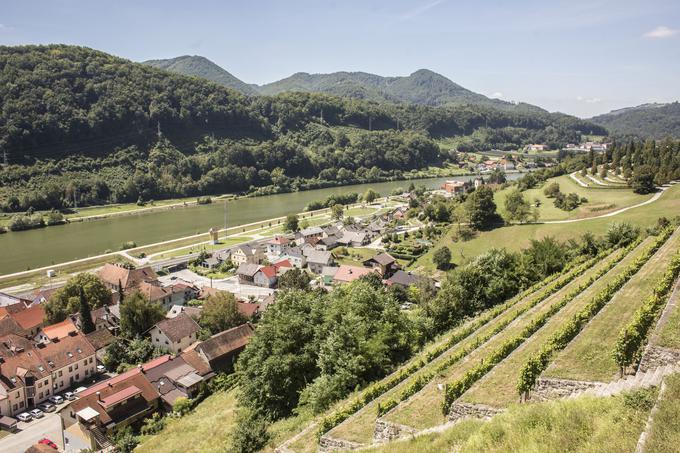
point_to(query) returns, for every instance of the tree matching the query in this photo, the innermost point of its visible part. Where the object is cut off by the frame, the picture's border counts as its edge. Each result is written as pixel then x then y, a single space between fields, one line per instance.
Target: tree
pixel 552 190
pixel 294 279
pixel 250 434
pixel 66 300
pixel 642 181
pixel 137 315
pixel 620 234
pixel 481 208
pixel 120 292
pixel 442 257
pixel 86 324
pixel 291 223
pixel 370 196
pixel 125 441
pixel 337 211
pixel 517 207
pixel 220 312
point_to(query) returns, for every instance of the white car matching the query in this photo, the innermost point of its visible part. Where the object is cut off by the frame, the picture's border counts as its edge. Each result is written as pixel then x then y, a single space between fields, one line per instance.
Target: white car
pixel 70 396
pixel 101 368
pixel 56 399
pixel 25 417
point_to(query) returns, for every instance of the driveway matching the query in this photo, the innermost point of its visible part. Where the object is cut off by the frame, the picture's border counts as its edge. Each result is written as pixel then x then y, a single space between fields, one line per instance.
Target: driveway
pixel 30 433
pixel 230 284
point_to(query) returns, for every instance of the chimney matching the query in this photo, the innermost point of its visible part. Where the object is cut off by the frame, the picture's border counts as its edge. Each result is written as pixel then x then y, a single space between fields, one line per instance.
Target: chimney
pixel 99 396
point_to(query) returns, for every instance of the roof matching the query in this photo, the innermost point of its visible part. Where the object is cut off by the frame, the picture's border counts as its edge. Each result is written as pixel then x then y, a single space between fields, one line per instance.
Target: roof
pixel 329 270
pixel 87 414
pixel 248 269
pixel 320 257
pixel 348 273
pixel 283 263
pixel 194 312
pixel 120 395
pixel 153 291
pixel 59 330
pixel 179 327
pixel 311 230
pixel 12 308
pixel 100 338
pixel 42 295
pixel 268 271
pixel 67 350
pixel 248 309
pixel 402 278
pixel 31 317
pixel 8 325
pixel 8 299
pixel 190 379
pixel 280 240
pixel 226 342
pixel 384 259
pixel 128 278
pixel 194 359
pixel 247 251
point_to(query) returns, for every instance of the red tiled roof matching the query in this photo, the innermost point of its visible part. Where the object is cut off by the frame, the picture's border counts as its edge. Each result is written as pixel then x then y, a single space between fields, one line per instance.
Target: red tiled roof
pixel 281 240
pixel 59 330
pixel 248 309
pixel 348 273
pixel 129 278
pixel 120 396
pixel 223 343
pixel 179 327
pixel 282 263
pixel 31 317
pixel 269 271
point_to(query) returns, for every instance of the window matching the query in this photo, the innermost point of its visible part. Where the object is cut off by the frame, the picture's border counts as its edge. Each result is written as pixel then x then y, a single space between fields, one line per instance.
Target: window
pixel 61 373
pixel 85 362
pixel 47 392
pixel 21 404
pixel 87 371
pixel 90 359
pixel 17 395
pixel 15 407
pixel 76 366
pixel 77 376
pixel 39 384
pixel 40 395
pixel 70 369
pixel 46 382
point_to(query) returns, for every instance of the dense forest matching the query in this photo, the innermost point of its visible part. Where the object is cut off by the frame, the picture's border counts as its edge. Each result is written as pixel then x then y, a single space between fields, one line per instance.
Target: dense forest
pixel 82 127
pixel 644 121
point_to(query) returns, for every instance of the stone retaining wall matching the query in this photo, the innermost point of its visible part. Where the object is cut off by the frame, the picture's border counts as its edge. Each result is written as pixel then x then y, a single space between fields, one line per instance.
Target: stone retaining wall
pixel 328 443
pixel 386 431
pixel 466 410
pixel 656 356
pixel 553 388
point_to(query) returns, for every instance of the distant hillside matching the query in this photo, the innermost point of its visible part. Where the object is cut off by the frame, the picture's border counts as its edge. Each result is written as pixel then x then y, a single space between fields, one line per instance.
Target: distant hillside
pixel 423 87
pixel 195 65
pixel 644 121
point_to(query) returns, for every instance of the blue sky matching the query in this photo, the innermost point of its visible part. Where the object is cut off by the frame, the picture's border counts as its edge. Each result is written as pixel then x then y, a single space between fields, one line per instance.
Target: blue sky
pixel 579 57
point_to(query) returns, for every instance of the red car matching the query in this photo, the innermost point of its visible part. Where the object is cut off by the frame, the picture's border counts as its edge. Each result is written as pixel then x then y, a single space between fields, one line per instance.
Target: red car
pixel 49 443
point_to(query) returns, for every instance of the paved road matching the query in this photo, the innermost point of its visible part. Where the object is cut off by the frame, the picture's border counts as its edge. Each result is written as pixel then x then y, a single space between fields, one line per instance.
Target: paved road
pixel 47 427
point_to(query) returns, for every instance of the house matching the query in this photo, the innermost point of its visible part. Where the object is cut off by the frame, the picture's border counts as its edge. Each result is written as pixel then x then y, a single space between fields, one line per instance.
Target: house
pixel 354 239
pixel 265 277
pixel 246 273
pixel 129 279
pixel 100 340
pixel 248 309
pixel 8 299
pixel 537 147
pixel 175 334
pixel 347 273
pixel 28 320
pixel 318 259
pixel 295 257
pixel 31 372
pixel 328 274
pixel 327 243
pixel 404 279
pixel 220 350
pixel 454 187
pixel 276 245
pixel 246 254
pixel 166 296
pixel 107 318
pixel 115 403
pixel 310 232
pixel 42 295
pixel 211 262
pixel 194 312
pixel 56 332
pixel 507 164
pixel 174 378
pixel 282 267
pixel 384 263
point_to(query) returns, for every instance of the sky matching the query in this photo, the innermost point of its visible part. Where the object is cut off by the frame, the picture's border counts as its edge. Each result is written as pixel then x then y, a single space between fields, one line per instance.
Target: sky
pixel 579 57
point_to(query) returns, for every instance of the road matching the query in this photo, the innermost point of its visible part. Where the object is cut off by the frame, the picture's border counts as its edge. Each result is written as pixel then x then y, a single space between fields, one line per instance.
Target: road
pixel 47 427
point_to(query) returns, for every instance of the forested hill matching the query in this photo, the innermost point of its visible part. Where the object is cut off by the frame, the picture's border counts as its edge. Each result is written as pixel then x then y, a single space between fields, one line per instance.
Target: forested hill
pixel 78 121
pixel 195 65
pixel 644 121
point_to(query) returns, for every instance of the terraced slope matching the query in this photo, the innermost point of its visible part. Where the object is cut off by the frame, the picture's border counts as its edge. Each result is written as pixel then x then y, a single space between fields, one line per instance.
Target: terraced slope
pixel 498 387
pixel 424 409
pixel 664 435
pixel 360 428
pixel 589 356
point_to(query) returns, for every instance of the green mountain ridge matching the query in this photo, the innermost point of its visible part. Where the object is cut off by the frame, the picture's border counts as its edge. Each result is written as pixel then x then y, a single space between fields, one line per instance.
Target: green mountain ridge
pixel 653 120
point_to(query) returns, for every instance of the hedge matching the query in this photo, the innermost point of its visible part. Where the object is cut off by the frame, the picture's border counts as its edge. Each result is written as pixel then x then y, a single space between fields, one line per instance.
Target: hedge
pixel 539 362
pixel 375 390
pixel 633 336
pixel 455 390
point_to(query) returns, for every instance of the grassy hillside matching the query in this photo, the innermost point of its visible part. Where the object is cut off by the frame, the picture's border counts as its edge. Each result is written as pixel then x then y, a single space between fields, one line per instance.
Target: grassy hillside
pixel 195 65
pixel 644 121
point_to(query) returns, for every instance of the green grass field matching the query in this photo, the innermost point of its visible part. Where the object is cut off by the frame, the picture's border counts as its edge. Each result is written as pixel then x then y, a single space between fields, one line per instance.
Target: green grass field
pixel 516 237
pixel 668 335
pixel 423 410
pixel 589 356
pixel 583 425
pixel 664 436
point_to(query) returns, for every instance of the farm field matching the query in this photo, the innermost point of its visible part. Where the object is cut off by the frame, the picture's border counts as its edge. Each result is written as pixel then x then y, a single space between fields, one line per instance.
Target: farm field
pixel 589 357
pixel 664 436
pixel 424 408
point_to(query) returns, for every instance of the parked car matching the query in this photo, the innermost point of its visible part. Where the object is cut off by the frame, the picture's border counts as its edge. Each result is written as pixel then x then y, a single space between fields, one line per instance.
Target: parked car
pixel 25 417
pixel 70 396
pixel 47 407
pixel 37 413
pixel 49 443
pixel 56 399
pixel 80 389
pixel 101 368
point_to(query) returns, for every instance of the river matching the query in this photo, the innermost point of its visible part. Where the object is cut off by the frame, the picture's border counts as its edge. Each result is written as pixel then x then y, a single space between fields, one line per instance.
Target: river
pixel 46 246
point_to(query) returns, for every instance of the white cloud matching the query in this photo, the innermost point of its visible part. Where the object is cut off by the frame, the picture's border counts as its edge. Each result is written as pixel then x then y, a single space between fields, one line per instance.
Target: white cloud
pixel 497 94
pixel 594 100
pixel 420 10
pixel 661 32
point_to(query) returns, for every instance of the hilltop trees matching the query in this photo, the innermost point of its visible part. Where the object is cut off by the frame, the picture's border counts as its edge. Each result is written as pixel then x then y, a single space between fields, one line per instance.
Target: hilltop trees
pixel 137 315
pixel 517 207
pixel 481 208
pixel 642 181
pixel 442 258
pixel 220 312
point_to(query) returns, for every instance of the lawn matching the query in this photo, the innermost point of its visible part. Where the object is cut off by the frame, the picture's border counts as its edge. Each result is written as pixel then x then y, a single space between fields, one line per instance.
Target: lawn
pixel 423 410
pixel 664 436
pixel 583 425
pixel 589 356
pixel 498 387
pixel 668 335
pixel 209 247
pixel 355 256
pixel 207 429
pixel 517 237
pixel 600 200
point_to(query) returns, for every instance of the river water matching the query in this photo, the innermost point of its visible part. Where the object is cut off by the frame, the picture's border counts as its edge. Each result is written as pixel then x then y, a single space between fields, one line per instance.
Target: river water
pixel 46 246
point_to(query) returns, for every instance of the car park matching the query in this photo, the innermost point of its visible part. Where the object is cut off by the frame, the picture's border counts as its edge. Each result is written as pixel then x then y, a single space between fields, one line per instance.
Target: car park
pixel 47 407
pixel 37 413
pixel 56 399
pixel 70 396
pixel 25 417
